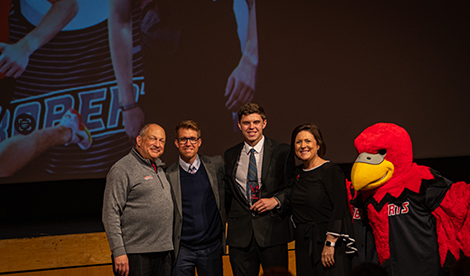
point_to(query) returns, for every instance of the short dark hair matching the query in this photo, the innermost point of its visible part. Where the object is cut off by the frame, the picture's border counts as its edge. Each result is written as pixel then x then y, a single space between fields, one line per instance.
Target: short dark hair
pixel 315 131
pixel 188 124
pixel 251 108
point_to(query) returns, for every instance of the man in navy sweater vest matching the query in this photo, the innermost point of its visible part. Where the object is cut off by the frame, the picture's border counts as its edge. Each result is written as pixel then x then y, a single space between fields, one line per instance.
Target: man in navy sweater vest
pixel 198 189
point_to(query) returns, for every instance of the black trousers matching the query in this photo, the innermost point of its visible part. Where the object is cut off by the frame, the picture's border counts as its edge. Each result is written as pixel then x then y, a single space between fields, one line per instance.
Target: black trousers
pixel 149 264
pixel 246 261
pixel 207 261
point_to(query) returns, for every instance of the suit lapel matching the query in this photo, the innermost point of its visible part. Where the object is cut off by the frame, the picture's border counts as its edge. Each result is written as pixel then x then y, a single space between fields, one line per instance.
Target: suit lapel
pixel 211 173
pixel 235 158
pixel 267 157
pixel 174 176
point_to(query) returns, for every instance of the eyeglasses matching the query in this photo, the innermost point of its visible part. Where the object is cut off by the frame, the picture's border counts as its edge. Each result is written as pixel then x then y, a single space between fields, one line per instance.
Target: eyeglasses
pixel 192 140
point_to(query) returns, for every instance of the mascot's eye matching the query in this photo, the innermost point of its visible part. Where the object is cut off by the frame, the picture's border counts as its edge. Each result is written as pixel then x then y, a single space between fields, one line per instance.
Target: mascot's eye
pixel 382 152
pixel 371 158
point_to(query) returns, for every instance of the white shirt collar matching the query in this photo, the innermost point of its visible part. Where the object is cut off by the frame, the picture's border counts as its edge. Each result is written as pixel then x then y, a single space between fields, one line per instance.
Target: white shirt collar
pixel 185 166
pixel 258 147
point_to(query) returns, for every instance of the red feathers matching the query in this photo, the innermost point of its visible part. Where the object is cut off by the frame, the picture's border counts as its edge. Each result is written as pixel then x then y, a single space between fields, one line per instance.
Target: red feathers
pixel 410 182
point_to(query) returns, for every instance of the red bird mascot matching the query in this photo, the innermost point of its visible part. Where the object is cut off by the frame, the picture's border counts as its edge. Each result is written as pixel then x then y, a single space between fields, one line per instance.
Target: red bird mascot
pixel 418 218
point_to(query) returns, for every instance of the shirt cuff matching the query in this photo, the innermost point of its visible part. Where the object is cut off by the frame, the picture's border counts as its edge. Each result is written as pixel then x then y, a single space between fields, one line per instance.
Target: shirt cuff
pixel 278 202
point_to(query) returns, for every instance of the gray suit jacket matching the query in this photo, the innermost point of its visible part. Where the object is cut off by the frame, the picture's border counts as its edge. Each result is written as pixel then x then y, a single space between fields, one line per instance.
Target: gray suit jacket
pixel 215 171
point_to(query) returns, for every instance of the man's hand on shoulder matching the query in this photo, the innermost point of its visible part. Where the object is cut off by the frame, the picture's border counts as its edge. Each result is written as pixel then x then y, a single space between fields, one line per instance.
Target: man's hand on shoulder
pixel 121 265
pixel 264 204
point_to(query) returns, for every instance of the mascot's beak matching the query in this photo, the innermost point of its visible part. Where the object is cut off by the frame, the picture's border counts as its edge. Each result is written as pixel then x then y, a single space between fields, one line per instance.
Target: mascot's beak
pixel 371 171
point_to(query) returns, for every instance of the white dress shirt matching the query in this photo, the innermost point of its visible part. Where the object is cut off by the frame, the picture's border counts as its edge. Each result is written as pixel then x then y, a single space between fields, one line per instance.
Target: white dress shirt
pixel 244 162
pixel 186 166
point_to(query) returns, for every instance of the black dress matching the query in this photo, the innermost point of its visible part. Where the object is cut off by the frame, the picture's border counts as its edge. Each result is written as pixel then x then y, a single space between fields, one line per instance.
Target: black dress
pixel 319 207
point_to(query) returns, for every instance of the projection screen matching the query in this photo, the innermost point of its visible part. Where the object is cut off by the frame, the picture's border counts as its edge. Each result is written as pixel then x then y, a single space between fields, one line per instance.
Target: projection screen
pixel 343 66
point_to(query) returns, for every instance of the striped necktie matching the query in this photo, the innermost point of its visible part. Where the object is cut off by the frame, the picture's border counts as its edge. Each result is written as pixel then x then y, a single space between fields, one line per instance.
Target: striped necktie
pixel 252 193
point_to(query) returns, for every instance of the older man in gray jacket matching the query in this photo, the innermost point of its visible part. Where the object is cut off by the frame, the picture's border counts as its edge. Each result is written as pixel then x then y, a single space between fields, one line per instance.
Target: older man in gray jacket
pixel 138 208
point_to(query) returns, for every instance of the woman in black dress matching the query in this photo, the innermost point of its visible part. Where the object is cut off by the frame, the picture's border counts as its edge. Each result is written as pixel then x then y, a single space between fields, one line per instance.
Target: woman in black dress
pixel 319 205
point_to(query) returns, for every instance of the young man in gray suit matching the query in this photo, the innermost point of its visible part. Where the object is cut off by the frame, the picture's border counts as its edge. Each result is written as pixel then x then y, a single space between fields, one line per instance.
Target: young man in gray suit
pixel 258 175
pixel 198 190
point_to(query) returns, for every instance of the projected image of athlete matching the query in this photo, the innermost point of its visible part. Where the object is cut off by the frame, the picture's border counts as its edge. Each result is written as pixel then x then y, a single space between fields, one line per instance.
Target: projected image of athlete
pixel 64 111
pixel 192 58
pixel 69 131
pixel 15 56
pixel 14 59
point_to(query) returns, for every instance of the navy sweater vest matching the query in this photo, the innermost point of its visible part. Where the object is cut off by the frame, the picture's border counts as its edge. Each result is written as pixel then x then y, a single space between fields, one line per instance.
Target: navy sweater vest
pixel 202 226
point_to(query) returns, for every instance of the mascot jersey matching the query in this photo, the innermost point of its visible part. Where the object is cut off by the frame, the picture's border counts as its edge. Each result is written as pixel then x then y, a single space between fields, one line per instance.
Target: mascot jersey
pixel 418 218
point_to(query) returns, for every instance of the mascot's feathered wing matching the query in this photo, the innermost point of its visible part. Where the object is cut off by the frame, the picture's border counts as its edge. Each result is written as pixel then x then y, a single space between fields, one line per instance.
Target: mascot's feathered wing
pixel 418 218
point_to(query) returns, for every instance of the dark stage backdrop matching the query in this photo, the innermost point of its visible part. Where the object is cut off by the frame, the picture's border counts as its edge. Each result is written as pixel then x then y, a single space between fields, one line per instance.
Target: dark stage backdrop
pixel 343 65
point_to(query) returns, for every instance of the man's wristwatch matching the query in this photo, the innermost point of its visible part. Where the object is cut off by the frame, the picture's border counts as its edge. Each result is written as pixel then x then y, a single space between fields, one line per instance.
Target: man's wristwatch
pixel 328 243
